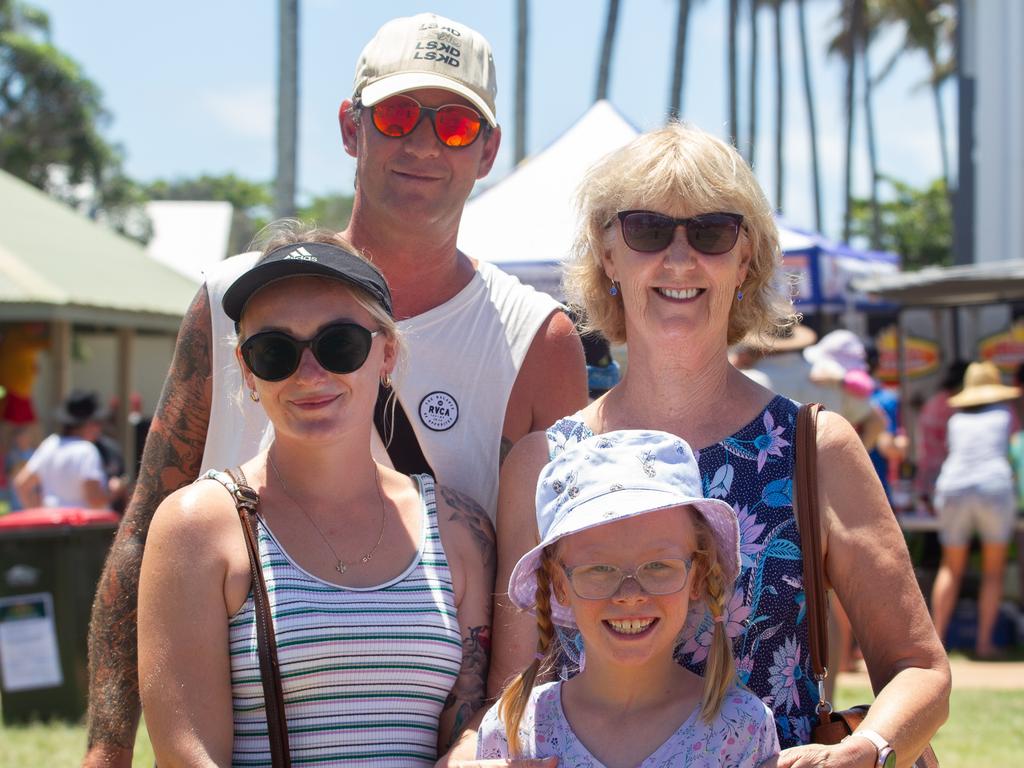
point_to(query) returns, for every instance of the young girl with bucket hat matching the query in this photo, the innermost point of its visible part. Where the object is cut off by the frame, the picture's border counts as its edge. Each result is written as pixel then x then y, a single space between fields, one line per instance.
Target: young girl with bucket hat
pixel 628 544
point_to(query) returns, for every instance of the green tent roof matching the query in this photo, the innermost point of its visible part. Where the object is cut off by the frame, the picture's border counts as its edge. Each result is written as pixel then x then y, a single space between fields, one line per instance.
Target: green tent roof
pixel 57 264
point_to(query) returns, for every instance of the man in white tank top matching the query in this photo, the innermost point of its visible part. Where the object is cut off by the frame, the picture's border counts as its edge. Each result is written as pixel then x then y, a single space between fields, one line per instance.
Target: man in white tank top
pixel 489 360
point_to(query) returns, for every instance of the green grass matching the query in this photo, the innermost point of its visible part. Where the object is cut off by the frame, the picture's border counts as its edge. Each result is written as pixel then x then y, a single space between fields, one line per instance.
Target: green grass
pixel 56 745
pixel 985 727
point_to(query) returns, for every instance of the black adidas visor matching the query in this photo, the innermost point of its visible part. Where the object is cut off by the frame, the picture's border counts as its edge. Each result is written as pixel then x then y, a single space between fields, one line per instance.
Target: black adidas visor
pixel 294 259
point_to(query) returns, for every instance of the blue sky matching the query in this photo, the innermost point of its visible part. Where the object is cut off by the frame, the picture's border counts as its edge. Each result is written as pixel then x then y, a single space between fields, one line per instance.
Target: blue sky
pixel 191 84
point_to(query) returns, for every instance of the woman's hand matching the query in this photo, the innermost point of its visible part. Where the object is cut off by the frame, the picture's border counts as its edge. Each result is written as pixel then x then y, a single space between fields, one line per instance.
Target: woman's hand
pixel 851 753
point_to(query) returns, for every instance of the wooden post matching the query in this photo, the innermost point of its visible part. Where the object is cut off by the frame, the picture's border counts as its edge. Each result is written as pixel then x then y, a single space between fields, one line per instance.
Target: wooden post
pixel 60 350
pixel 125 430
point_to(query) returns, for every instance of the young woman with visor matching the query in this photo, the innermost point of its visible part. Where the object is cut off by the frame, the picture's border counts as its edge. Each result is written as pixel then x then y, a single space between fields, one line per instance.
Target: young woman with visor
pixel 379 584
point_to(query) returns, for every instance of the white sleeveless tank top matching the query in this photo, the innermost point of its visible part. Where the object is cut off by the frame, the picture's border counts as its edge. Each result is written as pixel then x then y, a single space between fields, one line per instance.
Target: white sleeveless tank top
pixel 454 381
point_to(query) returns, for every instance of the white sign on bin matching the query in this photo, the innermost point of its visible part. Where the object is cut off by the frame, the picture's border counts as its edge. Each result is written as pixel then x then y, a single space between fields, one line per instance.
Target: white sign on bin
pixel 28 643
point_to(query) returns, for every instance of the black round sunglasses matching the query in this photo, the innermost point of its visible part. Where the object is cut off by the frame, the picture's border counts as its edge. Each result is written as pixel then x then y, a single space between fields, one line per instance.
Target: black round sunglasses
pixel 709 233
pixel 338 348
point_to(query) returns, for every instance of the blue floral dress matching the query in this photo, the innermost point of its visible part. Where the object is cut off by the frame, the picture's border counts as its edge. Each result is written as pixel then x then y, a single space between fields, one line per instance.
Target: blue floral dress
pixel 753 471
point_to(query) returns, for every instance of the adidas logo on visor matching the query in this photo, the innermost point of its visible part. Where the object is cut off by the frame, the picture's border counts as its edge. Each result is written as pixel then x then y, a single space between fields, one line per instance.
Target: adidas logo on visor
pixel 302 254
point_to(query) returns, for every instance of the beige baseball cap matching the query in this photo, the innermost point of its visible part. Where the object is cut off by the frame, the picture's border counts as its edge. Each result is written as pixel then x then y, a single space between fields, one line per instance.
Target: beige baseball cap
pixel 427 51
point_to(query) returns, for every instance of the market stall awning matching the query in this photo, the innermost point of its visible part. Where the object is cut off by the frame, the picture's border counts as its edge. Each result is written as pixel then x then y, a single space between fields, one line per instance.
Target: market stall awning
pixel 56 264
pixel 985 283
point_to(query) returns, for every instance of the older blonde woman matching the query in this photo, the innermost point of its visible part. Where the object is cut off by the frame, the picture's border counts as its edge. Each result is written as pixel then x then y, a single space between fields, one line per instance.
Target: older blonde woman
pixel 677 256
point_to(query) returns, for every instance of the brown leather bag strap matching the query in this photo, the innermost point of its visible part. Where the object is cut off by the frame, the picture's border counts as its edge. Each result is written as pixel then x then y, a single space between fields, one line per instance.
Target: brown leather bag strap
pixel 809 520
pixel 247 502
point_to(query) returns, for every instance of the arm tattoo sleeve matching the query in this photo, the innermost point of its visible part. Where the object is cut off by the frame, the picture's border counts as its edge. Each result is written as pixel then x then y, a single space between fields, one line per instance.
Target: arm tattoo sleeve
pixel 171 459
pixel 468 694
pixel 466 511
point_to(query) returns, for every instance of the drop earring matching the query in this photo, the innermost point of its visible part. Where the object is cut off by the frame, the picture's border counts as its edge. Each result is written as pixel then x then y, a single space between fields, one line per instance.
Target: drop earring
pixel 385 380
pixel 254 395
pixel 739 295
pixel 614 289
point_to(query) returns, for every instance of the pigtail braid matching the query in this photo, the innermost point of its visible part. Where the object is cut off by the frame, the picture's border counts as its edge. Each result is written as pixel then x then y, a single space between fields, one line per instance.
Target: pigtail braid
pixel 720 671
pixel 513 700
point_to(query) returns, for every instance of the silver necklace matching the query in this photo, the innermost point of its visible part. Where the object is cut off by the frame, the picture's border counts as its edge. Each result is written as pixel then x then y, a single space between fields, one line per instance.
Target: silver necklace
pixel 342 566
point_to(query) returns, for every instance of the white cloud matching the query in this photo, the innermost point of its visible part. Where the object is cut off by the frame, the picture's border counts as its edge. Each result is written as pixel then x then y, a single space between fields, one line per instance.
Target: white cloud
pixel 248 113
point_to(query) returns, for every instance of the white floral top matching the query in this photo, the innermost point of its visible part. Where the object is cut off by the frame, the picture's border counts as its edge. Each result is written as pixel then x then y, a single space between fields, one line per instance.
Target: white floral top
pixel 742 736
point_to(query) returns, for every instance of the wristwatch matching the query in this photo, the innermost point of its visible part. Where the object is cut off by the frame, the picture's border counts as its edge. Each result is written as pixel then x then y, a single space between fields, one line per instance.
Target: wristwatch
pixel 886 754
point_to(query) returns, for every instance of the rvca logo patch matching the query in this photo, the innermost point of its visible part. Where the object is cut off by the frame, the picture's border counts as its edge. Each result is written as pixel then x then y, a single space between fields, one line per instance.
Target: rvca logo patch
pixel 439 411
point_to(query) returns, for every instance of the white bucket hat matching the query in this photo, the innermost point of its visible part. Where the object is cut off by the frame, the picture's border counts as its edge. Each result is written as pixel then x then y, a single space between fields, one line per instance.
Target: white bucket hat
pixel 842 347
pixel 615 476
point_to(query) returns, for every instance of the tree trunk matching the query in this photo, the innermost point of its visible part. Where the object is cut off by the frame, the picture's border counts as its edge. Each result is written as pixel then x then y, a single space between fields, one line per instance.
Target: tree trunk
pixel 604 63
pixel 522 48
pixel 675 97
pixel 940 121
pixel 812 125
pixel 869 117
pixel 854 9
pixel 780 109
pixel 287 107
pixel 734 112
pixel 754 53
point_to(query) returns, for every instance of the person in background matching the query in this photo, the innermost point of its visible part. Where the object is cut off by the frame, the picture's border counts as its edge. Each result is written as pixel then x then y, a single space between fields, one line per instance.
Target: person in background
pixel 66 470
pixel 975 494
pixel 891 447
pixel 930 435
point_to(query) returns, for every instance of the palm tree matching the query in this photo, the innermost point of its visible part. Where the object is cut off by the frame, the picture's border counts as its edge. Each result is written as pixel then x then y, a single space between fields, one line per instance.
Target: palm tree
pixel 847 44
pixel 734 12
pixel 812 126
pixel 929 27
pixel 604 63
pixel 522 43
pixel 869 124
pixel 675 96
pixel 754 6
pixel 780 107
pixel 287 107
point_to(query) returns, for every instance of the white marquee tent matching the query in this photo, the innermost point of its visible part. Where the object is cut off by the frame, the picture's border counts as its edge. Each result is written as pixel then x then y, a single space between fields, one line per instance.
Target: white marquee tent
pixel 525 222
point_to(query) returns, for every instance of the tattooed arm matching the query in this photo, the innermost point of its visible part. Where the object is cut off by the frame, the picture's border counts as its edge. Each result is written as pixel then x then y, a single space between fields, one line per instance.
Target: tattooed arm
pixel 468 539
pixel 171 459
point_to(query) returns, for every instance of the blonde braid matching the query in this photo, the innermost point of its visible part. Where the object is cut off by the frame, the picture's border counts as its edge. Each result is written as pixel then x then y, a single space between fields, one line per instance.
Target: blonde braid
pixel 513 701
pixel 720 671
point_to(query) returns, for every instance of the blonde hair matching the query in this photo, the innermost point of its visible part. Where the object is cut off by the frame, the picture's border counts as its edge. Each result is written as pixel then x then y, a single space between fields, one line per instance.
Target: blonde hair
pixel 676 163
pixel 289 231
pixel 515 697
pixel 719 672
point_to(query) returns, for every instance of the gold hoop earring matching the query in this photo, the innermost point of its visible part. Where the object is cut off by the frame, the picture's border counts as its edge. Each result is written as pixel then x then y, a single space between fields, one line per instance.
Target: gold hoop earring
pixel 254 395
pixel 385 380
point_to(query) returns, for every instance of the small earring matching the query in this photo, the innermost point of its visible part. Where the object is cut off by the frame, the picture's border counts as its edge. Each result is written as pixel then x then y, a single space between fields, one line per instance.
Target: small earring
pixel 614 290
pixel 739 295
pixel 385 380
pixel 254 395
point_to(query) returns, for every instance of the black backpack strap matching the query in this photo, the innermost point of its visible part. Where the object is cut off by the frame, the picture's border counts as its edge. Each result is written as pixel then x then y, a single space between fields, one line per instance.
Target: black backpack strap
pixel 397 434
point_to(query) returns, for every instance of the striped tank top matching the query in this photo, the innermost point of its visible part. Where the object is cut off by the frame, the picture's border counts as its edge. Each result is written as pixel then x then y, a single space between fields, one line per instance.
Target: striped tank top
pixel 365 671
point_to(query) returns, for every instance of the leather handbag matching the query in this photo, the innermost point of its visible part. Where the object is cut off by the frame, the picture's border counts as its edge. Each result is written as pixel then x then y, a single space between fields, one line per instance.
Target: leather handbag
pixel 832 727
pixel 247 502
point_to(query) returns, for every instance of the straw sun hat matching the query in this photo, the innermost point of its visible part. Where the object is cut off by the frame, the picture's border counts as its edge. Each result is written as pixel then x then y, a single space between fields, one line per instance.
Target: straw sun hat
pixel 983 386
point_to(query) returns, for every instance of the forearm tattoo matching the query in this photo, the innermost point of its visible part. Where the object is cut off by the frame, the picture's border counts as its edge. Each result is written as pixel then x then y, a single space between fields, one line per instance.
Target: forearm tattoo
pixel 468 694
pixel 171 459
pixel 466 511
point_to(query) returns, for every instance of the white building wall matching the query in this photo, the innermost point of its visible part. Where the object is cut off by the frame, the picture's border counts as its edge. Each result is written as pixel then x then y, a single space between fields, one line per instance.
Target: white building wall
pixel 998 58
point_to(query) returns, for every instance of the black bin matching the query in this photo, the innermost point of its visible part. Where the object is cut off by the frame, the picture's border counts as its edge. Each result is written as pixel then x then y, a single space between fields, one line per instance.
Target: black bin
pixel 50 563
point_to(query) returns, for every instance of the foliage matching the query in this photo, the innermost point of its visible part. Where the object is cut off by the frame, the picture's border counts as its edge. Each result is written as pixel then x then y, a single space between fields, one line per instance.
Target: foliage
pixel 915 223
pixel 251 202
pixel 330 211
pixel 51 114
